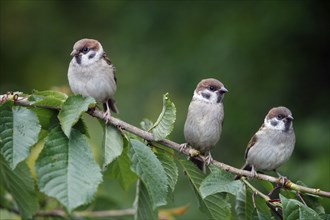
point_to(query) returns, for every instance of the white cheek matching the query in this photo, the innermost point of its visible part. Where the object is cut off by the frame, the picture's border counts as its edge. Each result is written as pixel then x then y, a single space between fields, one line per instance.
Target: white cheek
pixel 213 98
pixel 277 125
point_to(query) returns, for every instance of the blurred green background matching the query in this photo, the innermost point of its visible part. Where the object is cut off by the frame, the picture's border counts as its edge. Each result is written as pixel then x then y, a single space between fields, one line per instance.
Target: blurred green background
pixel 267 53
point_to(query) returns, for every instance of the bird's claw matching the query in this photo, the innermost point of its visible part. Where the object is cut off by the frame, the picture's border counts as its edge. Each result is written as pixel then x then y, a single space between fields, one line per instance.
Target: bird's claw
pixel 183 146
pixel 208 159
pixel 254 172
pixel 107 116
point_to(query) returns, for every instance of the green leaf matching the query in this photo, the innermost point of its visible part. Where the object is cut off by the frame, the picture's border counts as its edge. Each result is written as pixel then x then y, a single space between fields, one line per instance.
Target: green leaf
pixel 20 185
pixel 170 167
pixel 165 122
pixel 120 168
pixel 19 130
pixel 312 201
pixel 219 181
pixel 293 209
pixel 47 118
pixel 113 144
pixel 81 127
pixel 142 204
pixel 263 212
pixel 47 98
pixel 71 111
pixel 216 205
pixel 146 165
pixel 325 216
pixel 244 207
pixel 146 124
pixel 47 94
pixel 66 169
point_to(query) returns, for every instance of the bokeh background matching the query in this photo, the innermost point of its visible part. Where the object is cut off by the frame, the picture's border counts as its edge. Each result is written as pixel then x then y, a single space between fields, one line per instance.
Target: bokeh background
pixel 267 53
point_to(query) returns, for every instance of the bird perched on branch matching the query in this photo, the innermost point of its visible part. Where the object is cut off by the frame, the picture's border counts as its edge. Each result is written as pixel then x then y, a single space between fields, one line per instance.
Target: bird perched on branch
pixel 91 73
pixel 273 143
pixel 204 120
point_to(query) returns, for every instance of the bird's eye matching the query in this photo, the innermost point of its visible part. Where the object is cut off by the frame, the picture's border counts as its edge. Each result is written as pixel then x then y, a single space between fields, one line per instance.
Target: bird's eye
pixel 85 50
pixel 280 116
pixel 212 88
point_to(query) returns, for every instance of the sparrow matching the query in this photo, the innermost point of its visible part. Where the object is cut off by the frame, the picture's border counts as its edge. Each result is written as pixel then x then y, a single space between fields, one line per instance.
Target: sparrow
pixel 273 144
pixel 204 120
pixel 91 73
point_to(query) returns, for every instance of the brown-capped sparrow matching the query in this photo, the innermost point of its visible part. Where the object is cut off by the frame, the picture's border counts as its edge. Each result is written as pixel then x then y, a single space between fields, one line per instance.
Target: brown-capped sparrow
pixel 273 143
pixel 204 120
pixel 91 73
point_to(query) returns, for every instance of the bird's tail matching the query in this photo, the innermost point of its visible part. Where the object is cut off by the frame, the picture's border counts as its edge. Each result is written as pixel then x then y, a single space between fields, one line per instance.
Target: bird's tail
pixel 247 167
pixel 200 164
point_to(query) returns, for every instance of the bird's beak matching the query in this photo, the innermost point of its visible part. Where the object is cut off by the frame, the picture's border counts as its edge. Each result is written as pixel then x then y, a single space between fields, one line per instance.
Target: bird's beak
pixel 223 90
pixel 74 53
pixel 290 117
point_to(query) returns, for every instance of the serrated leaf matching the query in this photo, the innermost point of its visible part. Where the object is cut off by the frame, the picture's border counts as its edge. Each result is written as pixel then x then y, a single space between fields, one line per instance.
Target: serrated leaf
pixel 71 111
pixel 146 165
pixel 19 130
pixel 66 169
pixel 112 144
pixel 293 209
pixel 142 204
pixel 244 207
pixel 169 165
pixel 20 185
pixel 216 205
pixel 165 122
pixel 120 168
pixel 219 181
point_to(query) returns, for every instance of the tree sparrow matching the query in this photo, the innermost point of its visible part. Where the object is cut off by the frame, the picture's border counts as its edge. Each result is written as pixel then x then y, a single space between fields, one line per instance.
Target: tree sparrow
pixel 91 73
pixel 204 120
pixel 273 143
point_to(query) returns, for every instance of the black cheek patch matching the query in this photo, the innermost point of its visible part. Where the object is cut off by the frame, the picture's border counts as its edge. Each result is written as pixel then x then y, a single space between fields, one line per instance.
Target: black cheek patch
pixel 91 56
pixel 206 95
pixel 78 59
pixel 274 123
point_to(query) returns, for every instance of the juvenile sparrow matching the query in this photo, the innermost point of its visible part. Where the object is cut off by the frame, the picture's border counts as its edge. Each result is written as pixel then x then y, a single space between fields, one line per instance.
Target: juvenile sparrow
pixel 273 143
pixel 91 73
pixel 204 120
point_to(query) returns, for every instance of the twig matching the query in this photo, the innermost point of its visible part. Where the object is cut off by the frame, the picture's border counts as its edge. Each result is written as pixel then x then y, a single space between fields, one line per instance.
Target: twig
pixel 149 137
pixel 256 191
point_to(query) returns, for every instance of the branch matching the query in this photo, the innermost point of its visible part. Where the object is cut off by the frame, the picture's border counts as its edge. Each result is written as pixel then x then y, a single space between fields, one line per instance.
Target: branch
pixel 175 146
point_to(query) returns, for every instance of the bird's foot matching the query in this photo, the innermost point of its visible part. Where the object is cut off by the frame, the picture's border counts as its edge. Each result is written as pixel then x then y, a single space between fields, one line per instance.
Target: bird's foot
pixel 208 159
pixel 280 183
pixel 254 172
pixel 107 116
pixel 183 146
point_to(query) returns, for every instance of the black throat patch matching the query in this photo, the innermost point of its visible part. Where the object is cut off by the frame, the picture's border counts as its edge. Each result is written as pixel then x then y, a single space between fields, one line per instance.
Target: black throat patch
pixel 78 59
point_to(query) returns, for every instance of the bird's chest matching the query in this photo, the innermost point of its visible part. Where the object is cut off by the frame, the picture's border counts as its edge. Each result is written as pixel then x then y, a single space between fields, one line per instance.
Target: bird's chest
pixel 271 150
pixel 92 80
pixel 203 125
